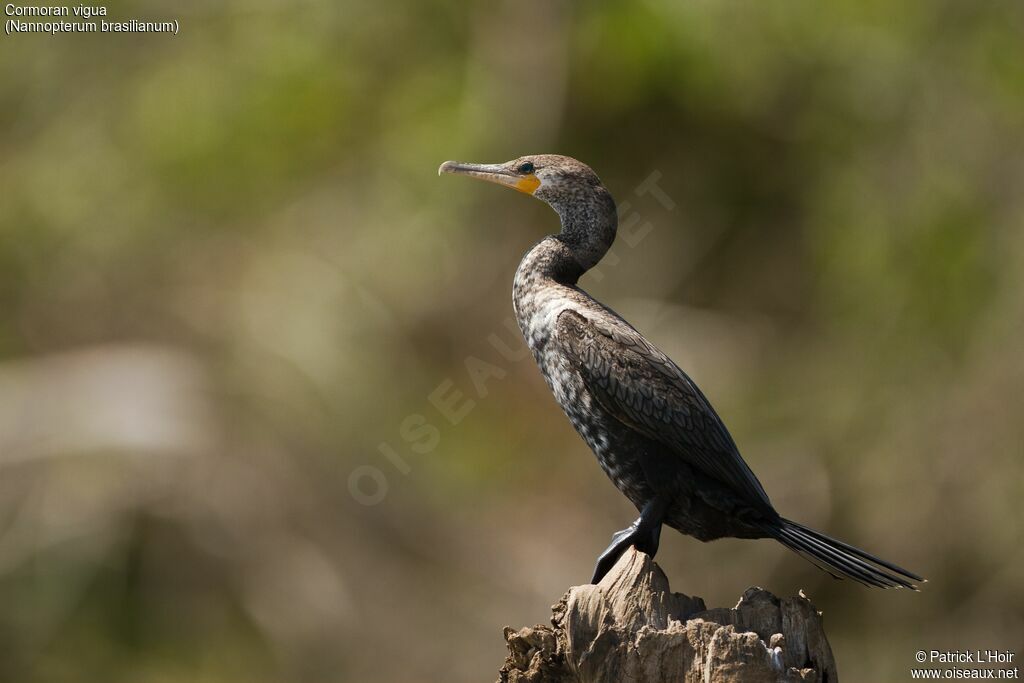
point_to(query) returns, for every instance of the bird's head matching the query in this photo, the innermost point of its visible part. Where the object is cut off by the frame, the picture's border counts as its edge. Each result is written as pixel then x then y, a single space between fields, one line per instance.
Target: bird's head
pixel 561 181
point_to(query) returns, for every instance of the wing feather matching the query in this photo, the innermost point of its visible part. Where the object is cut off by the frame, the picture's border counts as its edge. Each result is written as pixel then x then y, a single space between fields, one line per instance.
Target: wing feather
pixel 645 390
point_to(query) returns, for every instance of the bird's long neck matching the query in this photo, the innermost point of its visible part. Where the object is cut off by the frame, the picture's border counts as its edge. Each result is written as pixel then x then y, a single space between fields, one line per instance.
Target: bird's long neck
pixel 557 262
pixel 588 230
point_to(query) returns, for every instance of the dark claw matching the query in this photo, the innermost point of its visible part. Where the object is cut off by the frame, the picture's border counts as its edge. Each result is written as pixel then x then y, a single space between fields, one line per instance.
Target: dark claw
pixel 643 536
pixel 621 540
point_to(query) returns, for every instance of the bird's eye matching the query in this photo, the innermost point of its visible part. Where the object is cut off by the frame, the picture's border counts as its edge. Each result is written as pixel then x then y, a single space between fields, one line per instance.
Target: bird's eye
pixel 526 167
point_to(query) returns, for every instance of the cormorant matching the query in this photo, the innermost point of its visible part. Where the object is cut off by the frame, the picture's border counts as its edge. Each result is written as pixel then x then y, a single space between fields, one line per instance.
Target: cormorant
pixel 654 433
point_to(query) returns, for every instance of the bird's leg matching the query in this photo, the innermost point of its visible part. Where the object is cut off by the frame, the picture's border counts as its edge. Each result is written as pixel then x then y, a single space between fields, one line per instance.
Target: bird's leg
pixel 644 534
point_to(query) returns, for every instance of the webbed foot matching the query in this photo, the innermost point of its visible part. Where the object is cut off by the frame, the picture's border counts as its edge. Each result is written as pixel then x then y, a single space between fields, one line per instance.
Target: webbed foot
pixel 644 534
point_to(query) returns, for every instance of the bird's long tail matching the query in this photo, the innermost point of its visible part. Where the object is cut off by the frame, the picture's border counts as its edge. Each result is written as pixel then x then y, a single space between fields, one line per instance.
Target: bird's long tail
pixel 840 559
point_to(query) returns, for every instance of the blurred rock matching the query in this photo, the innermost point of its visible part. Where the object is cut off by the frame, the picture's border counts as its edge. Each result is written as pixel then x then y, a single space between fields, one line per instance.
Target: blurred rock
pixel 631 627
pixel 135 400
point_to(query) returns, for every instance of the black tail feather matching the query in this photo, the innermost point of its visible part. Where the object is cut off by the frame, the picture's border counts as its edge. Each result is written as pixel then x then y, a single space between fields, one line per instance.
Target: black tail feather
pixel 841 559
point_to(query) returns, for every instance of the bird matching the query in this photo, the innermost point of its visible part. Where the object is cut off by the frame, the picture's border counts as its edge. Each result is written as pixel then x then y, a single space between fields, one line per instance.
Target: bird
pixel 653 431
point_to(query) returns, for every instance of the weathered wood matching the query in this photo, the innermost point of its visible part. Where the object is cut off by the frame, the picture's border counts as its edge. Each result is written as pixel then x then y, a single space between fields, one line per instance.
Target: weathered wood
pixel 631 628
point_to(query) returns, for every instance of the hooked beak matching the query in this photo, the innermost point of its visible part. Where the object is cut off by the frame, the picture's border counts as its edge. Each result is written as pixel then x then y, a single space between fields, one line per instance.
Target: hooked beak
pixel 493 173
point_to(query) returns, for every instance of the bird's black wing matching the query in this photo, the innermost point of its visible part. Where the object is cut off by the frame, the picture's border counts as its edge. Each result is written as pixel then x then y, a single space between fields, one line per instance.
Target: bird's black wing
pixel 645 390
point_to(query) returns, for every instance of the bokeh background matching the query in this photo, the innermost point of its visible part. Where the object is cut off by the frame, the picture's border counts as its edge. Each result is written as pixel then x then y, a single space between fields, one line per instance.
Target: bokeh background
pixel 231 281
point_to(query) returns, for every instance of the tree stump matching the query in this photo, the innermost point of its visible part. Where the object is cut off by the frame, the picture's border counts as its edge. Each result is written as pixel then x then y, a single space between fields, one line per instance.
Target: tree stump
pixel 630 627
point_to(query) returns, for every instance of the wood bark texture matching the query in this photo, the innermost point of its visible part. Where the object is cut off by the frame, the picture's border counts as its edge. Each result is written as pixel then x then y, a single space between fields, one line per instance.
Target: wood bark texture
pixel 630 628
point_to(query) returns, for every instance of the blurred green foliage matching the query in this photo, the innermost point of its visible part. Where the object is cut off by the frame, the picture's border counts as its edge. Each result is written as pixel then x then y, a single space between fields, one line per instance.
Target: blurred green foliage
pixel 229 274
